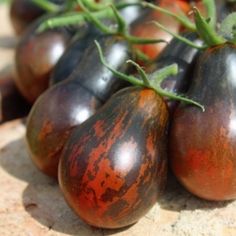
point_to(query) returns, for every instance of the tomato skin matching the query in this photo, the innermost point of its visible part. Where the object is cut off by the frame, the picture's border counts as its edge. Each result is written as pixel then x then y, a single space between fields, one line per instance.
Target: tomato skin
pixel 202 144
pixel 35 57
pixel 113 166
pixel 69 103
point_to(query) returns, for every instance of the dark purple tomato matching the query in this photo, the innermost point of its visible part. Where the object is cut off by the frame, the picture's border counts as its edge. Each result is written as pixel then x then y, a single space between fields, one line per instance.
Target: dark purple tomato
pixel 114 165
pixel 35 57
pixel 24 12
pixel 203 144
pixel 69 103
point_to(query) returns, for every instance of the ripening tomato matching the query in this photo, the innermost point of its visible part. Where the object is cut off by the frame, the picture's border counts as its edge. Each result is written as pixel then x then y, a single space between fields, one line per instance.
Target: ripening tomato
pixel 113 167
pixel 203 144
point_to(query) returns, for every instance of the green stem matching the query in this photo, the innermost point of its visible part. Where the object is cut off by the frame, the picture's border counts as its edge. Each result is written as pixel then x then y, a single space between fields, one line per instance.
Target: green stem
pixel 174 96
pixel 182 39
pixel 94 6
pixel 124 4
pixel 73 18
pixel 152 85
pixel 184 20
pixel 128 78
pixel 79 18
pixel 70 4
pixel 141 73
pixel 94 19
pixel 122 26
pixel 140 56
pixel 46 5
pixel 211 11
pixel 205 30
pixel 138 40
pixel 158 76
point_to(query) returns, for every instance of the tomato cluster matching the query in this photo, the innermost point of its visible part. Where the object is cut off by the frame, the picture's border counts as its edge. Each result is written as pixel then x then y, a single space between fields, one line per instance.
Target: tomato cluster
pixel 107 141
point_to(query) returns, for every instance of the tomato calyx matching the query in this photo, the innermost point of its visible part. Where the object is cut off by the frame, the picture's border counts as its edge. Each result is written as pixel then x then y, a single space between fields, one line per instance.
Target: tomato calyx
pixel 152 81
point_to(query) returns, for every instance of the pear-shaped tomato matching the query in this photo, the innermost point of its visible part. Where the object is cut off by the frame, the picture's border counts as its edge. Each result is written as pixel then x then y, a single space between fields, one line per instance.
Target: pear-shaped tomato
pixel 113 166
pixel 203 144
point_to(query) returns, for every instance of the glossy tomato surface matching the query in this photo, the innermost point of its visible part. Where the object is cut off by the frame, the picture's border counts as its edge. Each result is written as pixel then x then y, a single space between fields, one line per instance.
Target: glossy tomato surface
pixel 203 144
pixel 113 166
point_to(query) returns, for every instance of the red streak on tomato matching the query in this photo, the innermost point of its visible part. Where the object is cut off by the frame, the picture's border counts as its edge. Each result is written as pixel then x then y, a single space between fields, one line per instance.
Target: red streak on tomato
pixel 150 145
pixel 99 132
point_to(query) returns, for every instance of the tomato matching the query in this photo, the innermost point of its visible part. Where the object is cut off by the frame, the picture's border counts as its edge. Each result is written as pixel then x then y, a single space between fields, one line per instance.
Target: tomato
pixel 69 103
pixel 203 144
pixel 35 56
pixel 113 167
